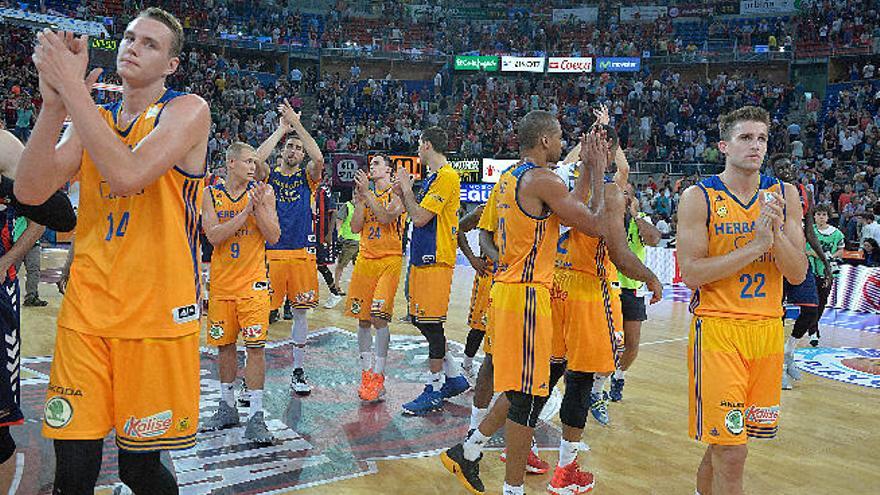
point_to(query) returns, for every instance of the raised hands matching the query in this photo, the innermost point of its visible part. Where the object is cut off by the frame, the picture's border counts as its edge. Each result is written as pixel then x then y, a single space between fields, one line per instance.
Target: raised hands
pixel 601 114
pixel 61 60
pixel 291 117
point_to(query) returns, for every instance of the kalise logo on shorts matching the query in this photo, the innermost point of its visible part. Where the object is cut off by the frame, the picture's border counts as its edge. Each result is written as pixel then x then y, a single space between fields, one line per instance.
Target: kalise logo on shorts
pixel 762 415
pixel 150 426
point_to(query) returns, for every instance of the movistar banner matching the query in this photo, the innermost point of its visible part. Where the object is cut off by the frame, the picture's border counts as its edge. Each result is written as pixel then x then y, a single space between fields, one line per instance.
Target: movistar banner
pixel 618 64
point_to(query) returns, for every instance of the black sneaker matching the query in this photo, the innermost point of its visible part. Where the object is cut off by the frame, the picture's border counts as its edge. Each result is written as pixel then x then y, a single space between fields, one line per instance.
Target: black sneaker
pixel 467 472
pixel 298 382
pixel 35 301
pixel 273 316
pixel 288 311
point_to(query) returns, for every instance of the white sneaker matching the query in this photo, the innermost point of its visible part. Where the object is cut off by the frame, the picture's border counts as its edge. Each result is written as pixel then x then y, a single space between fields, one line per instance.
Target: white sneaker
pixel 332 301
pixel 786 381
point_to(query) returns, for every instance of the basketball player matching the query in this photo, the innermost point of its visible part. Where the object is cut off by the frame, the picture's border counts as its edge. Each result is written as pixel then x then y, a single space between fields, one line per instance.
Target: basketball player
pixel 378 216
pixel 127 346
pixel 523 227
pixel 434 214
pixel 739 234
pixel 293 271
pixel 806 294
pixel 587 322
pixel 57 213
pixel 640 232
pixel 239 218
pixel 478 314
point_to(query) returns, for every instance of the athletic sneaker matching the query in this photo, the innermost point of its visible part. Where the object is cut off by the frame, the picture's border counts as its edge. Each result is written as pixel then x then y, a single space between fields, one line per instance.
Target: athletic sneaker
pixel 786 381
pixel 288 310
pixel 467 472
pixel 273 316
pixel 534 464
pixel 366 376
pixel 429 400
pixel 570 480
pixel 814 341
pixel 332 301
pixel 616 393
pixel 375 388
pixel 454 386
pixel 256 430
pixel 298 382
pixel 226 416
pixel 791 367
pixel 599 407
pixel 34 300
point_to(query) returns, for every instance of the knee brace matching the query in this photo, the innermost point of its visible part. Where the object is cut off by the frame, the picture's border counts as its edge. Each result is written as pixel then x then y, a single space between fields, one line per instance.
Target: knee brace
pixel 573 411
pixel 433 333
pixel 524 408
pixel 557 369
pixel 7 444
pixel 808 317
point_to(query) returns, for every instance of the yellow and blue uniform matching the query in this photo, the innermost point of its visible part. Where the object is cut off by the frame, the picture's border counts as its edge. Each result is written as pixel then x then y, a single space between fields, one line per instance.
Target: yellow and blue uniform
pixel 377 270
pixel 736 338
pixel 239 297
pixel 293 270
pixel 519 306
pixel 127 347
pixel 433 247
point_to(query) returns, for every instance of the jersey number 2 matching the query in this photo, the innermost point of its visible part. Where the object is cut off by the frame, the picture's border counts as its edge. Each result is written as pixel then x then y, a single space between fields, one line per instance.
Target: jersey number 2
pixel 748 280
pixel 119 229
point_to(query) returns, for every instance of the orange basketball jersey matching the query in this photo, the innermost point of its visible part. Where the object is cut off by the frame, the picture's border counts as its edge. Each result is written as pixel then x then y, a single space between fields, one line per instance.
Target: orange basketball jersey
pixel 238 265
pixel 135 268
pixel 526 244
pixel 755 291
pixel 379 240
pixel 580 252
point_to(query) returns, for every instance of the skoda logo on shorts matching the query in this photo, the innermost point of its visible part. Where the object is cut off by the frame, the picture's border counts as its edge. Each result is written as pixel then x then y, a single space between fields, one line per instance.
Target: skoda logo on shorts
pixel 58 412
pixel 734 421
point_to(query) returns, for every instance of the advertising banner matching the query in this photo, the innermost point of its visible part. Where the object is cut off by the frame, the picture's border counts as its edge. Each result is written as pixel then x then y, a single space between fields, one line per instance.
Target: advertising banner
pixel 642 13
pixel 766 6
pixel 468 170
pixel 690 10
pixel 618 64
pixel 475 62
pixel 586 14
pixel 570 64
pixel 344 167
pixel 522 64
pixel 493 168
pixel 857 288
pixel 727 7
pixel 475 192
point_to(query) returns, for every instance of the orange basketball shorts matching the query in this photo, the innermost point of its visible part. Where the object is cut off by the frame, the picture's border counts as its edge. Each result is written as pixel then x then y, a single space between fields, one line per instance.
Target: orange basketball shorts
pixel 373 287
pixel 735 379
pixel 147 389
pixel 227 317
pixel 523 328
pixel 296 279
pixel 587 321
pixel 478 316
pixel 429 288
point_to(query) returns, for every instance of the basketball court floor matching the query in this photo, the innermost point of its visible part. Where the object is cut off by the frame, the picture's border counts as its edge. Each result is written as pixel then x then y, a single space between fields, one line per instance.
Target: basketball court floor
pixel 329 443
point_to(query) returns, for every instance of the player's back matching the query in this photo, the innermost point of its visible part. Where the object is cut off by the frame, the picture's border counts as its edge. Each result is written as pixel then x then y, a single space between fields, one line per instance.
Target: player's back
pixel 755 291
pixel 293 201
pixel 379 240
pixel 238 264
pixel 135 267
pixel 526 244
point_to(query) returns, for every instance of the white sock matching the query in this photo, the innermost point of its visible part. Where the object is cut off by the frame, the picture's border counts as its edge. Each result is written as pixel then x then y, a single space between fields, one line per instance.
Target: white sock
pixel 568 452
pixel 366 360
pixel 299 355
pixel 450 366
pixel 534 446
pixel 474 444
pixel 477 416
pixel 513 490
pixel 599 383
pixel 436 381
pixel 379 366
pixel 227 393
pixel 256 401
pixel 790 345
pixel 619 374
pixel 468 362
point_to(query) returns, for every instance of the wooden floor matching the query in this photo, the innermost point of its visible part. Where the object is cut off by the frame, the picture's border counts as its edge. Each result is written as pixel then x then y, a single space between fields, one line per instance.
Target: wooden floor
pixel 827 443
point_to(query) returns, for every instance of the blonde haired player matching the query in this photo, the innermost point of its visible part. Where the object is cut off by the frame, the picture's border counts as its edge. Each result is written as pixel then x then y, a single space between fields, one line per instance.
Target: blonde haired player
pixel 379 218
pixel 239 219
pixel 739 234
pixel 127 345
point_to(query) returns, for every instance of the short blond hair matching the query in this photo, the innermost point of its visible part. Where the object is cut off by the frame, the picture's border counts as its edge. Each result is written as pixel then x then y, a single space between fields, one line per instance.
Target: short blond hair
pixel 728 121
pixel 171 23
pixel 236 149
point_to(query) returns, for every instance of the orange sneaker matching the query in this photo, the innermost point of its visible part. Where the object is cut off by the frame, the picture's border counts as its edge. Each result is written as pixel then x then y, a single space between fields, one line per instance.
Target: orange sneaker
pixel 375 389
pixel 366 377
pixel 535 464
pixel 570 480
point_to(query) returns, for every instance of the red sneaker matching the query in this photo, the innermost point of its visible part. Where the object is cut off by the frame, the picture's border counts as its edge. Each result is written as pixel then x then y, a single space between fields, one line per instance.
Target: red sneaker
pixel 375 390
pixel 570 480
pixel 535 464
pixel 366 377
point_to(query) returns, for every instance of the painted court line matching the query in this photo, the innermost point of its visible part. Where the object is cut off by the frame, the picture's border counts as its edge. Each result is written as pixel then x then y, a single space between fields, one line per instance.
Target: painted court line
pixel 665 341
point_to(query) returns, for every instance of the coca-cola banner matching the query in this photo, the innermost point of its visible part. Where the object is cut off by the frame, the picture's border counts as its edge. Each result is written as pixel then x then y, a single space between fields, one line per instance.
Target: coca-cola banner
pixel 570 64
